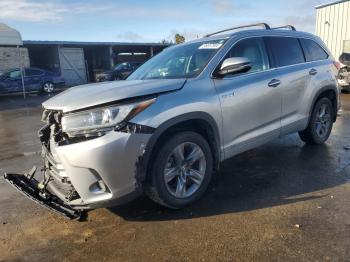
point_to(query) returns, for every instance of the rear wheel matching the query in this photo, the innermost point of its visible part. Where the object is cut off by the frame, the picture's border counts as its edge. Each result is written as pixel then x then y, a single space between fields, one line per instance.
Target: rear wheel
pixel 321 123
pixel 181 170
pixel 48 87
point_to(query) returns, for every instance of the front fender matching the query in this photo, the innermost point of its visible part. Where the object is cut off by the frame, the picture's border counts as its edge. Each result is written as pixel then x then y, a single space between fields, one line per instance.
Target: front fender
pixel 146 158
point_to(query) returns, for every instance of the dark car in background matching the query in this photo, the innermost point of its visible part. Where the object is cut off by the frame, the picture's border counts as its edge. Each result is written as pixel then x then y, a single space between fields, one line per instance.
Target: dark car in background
pixel 35 80
pixel 120 72
pixel 344 72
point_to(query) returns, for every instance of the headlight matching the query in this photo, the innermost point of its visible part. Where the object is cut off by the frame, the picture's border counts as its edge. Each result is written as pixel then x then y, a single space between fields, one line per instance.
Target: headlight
pixel 101 119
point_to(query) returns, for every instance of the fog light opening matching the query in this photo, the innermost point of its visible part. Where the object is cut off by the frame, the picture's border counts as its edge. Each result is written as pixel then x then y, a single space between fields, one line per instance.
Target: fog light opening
pixel 98 187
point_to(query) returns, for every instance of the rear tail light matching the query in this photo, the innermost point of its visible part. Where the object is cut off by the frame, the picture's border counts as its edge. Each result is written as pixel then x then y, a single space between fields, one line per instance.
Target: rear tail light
pixel 337 65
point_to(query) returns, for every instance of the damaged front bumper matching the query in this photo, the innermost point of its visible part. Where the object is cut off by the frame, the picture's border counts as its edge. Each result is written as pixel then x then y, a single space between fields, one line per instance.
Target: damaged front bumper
pixel 31 188
pixel 85 175
pixel 95 173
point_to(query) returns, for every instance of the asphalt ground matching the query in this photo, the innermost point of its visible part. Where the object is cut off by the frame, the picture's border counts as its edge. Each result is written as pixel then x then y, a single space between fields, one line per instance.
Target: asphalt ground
pixel 283 201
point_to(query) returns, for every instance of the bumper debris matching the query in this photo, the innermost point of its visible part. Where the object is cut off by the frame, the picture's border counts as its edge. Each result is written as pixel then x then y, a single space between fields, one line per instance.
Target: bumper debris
pixel 34 190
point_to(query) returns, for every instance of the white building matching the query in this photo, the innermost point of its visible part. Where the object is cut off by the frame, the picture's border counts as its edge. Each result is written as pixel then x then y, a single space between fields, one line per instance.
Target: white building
pixel 333 25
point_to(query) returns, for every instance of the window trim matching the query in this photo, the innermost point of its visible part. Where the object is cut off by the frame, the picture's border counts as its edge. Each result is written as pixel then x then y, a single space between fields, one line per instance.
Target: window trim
pixel 212 76
pixel 302 49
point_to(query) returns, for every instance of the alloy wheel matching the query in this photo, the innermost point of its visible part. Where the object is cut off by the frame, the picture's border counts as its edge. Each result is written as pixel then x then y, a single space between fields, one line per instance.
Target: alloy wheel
pixel 48 87
pixel 323 121
pixel 185 170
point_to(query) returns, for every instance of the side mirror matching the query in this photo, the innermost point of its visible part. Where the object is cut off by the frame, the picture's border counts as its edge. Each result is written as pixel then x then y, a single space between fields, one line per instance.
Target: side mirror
pixel 234 65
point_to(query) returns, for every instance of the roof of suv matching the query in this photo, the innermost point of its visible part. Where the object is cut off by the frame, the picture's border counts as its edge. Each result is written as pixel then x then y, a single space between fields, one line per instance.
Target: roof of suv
pixel 260 32
pixel 266 31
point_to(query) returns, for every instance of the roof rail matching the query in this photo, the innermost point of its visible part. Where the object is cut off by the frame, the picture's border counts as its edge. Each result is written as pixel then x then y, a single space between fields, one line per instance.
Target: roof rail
pixel 286 26
pixel 266 26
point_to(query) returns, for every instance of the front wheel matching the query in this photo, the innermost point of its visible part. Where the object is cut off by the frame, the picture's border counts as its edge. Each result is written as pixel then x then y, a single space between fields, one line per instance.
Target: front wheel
pixel 48 87
pixel 181 170
pixel 321 123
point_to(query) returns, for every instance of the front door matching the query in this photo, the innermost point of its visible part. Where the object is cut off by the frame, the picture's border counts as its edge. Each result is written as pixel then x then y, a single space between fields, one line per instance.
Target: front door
pixel 11 82
pixel 251 101
pixel 33 79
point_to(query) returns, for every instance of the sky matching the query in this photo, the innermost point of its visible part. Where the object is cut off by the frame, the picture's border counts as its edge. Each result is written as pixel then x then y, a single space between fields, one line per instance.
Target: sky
pixel 148 20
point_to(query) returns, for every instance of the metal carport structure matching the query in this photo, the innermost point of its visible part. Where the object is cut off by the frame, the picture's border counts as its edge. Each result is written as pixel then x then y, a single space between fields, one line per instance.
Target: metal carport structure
pixel 79 62
pixel 11 37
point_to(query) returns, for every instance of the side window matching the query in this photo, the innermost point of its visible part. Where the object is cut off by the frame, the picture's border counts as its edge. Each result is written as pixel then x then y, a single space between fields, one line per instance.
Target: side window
pixel 254 49
pixel 313 52
pixel 15 74
pixel 286 50
pixel 123 66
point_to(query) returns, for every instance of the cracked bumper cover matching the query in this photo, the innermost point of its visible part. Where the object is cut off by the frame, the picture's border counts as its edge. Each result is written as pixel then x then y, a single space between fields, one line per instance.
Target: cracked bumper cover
pixel 111 160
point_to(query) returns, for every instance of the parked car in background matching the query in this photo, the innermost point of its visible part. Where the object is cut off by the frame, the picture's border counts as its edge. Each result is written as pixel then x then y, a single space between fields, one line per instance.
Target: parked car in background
pixel 120 72
pixel 35 80
pixel 344 72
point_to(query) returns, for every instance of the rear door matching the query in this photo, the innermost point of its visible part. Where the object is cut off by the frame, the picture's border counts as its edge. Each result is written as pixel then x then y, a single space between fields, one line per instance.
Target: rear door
pixel 318 61
pixel 251 103
pixel 293 73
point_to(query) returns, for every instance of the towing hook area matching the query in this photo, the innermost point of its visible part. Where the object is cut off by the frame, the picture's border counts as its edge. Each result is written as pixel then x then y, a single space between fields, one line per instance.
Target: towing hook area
pixel 36 191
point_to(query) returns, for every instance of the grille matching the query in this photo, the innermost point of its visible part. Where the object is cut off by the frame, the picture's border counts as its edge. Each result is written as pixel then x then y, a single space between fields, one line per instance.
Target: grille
pixel 52 129
pixel 55 174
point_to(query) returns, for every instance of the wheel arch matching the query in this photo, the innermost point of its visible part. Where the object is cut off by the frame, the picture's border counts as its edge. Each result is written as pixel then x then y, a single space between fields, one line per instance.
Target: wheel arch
pixel 329 91
pixel 200 122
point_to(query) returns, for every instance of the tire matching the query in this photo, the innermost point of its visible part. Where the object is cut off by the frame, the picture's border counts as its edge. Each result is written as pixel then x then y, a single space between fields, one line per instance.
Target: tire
pixel 48 87
pixel 312 134
pixel 166 161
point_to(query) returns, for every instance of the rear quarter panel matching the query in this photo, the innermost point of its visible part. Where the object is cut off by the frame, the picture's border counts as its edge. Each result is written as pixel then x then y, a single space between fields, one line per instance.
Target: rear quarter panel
pixel 325 78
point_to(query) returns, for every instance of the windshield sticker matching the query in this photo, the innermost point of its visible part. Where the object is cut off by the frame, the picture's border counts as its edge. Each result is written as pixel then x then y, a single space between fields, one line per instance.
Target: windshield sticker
pixel 210 46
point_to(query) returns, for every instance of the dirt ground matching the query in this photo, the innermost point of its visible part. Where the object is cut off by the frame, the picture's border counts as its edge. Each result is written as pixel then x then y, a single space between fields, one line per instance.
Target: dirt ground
pixel 280 202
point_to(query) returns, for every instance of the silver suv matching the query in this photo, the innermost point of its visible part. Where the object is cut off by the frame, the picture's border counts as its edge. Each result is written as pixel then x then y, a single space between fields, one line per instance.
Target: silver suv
pixel 167 128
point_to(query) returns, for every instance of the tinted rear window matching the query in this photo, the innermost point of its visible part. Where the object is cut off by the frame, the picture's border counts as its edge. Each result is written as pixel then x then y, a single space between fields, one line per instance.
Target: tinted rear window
pixel 313 52
pixel 286 51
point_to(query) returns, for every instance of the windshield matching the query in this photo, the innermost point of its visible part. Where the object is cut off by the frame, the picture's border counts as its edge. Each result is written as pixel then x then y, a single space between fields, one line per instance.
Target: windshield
pixel 183 61
pixel 121 66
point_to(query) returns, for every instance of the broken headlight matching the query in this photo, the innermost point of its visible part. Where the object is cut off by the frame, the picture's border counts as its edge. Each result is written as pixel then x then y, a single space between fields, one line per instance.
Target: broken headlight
pixel 101 120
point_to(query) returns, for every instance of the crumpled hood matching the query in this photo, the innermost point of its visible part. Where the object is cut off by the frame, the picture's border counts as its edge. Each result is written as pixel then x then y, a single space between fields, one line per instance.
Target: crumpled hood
pixel 85 96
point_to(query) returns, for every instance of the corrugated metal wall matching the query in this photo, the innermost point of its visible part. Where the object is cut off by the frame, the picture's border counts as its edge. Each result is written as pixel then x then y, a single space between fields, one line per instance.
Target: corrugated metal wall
pixel 73 65
pixel 333 26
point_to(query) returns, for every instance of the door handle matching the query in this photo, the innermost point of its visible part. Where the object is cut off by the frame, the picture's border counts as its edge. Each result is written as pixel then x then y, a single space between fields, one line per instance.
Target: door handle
pixel 313 72
pixel 274 83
